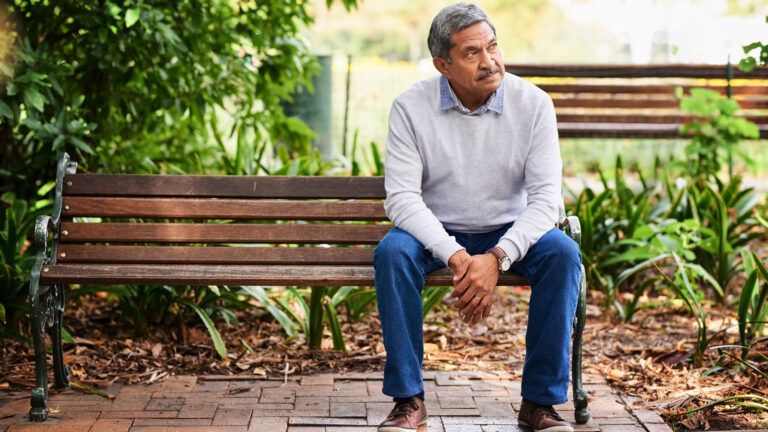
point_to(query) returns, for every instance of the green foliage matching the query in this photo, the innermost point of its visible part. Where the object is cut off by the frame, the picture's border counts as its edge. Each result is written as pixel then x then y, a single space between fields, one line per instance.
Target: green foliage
pixel 752 312
pixel 662 249
pixel 755 54
pixel 749 401
pixel 631 232
pixel 727 213
pixel 174 307
pixel 149 87
pixel 607 217
pixel 158 87
pixel 290 308
pixel 17 218
pixel 218 343
pixel 293 311
pixel 714 132
pixel 431 298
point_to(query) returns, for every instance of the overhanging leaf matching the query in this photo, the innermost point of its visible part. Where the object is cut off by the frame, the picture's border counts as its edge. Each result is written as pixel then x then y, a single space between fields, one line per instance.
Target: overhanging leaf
pixel 259 294
pixel 335 326
pixel 131 16
pixel 33 99
pixel 5 110
pixel 218 343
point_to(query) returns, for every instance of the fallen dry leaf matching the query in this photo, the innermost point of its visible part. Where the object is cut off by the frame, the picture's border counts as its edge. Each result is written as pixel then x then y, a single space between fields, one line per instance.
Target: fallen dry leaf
pixel 157 349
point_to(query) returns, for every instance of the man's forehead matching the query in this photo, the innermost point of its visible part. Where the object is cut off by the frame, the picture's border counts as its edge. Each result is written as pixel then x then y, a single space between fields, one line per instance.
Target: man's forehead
pixel 476 33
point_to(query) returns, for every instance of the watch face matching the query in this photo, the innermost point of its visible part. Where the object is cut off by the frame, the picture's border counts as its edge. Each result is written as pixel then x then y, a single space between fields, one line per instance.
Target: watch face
pixel 505 264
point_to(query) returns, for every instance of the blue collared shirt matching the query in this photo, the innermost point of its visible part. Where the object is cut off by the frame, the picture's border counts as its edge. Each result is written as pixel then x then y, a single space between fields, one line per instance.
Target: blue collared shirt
pixel 448 100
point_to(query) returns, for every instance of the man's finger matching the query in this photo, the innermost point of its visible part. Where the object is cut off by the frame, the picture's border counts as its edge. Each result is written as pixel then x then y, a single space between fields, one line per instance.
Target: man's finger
pixel 461 286
pixel 470 294
pixel 487 308
pixel 467 316
pixel 461 271
pixel 467 295
pixel 469 306
pixel 476 314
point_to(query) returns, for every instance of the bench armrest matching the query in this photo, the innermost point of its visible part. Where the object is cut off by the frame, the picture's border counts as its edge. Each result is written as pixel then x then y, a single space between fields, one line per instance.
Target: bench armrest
pixel 572 227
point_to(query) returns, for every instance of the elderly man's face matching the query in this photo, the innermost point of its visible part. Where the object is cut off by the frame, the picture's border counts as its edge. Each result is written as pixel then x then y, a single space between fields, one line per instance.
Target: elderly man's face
pixel 476 66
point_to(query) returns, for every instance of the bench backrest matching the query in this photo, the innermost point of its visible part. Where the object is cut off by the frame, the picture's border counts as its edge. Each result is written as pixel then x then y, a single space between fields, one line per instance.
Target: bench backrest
pixel 633 101
pixel 124 219
pixel 201 230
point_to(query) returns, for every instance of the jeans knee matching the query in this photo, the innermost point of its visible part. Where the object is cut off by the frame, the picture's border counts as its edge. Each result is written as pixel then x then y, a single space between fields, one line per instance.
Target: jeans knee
pixel 397 247
pixel 561 250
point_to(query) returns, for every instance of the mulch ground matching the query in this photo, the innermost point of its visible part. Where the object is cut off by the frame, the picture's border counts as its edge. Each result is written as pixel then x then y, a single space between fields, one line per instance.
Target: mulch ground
pixel 648 360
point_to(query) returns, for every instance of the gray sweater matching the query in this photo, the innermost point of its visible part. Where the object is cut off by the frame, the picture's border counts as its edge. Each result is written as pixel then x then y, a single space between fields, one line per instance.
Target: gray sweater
pixel 473 173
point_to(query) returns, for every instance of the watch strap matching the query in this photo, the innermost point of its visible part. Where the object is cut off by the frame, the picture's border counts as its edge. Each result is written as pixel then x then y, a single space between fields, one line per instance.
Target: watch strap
pixel 497 252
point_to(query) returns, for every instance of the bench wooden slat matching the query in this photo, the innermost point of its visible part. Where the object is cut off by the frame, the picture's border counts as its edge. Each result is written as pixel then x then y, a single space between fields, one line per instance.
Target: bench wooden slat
pixel 282 275
pixel 222 208
pixel 224 186
pixel 631 71
pixel 563 118
pixel 658 89
pixel 74 253
pixel 614 103
pixel 639 103
pixel 606 130
pixel 596 133
pixel 221 233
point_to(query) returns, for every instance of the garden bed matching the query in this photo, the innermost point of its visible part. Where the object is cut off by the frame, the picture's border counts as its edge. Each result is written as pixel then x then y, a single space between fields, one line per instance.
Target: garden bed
pixel 647 360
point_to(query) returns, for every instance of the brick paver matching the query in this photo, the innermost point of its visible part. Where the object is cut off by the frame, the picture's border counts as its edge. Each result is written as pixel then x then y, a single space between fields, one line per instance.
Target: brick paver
pixel 456 402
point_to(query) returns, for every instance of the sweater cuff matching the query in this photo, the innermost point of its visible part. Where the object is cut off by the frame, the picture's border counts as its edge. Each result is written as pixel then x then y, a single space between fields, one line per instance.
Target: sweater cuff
pixel 445 249
pixel 510 249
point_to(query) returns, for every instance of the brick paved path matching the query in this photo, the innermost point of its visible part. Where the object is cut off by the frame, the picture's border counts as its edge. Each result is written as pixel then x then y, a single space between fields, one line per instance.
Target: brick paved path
pixel 456 402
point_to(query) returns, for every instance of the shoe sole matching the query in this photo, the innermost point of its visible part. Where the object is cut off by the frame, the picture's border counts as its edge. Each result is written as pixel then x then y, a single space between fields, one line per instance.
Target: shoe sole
pixel 399 429
pixel 549 429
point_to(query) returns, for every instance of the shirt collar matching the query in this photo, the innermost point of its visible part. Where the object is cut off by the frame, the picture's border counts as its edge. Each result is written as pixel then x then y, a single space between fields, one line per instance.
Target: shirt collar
pixel 448 99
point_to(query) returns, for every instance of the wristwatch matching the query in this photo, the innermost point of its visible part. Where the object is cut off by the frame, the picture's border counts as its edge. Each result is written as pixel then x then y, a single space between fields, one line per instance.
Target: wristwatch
pixel 504 262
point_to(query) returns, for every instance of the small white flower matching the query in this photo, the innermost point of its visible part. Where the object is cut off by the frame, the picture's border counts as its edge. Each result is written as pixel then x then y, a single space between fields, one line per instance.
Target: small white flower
pixel 680 183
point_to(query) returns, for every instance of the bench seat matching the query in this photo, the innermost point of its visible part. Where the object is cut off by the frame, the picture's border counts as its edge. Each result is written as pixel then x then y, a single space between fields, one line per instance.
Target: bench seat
pixel 186 274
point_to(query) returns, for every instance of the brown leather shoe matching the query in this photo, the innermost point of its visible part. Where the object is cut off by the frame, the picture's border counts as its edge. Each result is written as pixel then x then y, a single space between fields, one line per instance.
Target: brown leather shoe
pixel 406 416
pixel 542 418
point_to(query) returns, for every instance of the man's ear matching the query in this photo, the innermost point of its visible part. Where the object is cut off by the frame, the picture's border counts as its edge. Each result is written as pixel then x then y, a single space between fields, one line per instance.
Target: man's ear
pixel 440 64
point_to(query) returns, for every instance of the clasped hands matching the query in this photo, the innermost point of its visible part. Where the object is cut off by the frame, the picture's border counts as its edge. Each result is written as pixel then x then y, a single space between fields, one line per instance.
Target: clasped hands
pixel 474 280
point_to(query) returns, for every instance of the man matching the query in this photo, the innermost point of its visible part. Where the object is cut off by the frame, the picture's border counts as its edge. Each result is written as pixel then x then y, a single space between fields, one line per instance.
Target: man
pixel 473 175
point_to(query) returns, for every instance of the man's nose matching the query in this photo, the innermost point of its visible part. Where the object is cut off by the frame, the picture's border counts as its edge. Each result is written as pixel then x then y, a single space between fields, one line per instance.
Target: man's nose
pixel 486 60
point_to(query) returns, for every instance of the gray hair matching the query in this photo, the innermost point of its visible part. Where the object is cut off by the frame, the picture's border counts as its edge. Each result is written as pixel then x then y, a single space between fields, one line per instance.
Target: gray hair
pixel 450 20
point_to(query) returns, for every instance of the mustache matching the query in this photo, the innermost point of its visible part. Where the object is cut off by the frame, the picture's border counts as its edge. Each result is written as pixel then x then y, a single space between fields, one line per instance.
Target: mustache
pixel 486 74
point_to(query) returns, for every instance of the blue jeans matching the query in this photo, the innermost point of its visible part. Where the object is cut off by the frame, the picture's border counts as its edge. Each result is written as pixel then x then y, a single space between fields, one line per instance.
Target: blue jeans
pixel 552 266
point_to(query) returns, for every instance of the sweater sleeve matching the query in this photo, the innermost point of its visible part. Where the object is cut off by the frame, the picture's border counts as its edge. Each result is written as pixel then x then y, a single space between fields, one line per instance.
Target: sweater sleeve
pixel 543 182
pixel 404 204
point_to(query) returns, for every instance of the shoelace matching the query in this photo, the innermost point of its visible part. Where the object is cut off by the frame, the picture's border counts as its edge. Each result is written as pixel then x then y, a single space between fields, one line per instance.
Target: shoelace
pixel 403 407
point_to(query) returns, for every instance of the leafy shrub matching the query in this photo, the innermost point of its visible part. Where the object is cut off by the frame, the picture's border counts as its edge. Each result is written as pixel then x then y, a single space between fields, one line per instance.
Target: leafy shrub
pixel 755 54
pixel 148 87
pixel 714 132
pixel 17 220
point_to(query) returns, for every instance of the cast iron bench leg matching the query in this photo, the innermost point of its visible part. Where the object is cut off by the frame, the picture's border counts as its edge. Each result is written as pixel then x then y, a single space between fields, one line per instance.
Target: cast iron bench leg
pixel 46 307
pixel 579 394
pixel 39 410
pixel 60 370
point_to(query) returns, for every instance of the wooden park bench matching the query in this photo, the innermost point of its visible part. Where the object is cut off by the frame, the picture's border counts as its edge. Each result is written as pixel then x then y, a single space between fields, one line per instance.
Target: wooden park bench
pixel 109 229
pixel 638 101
